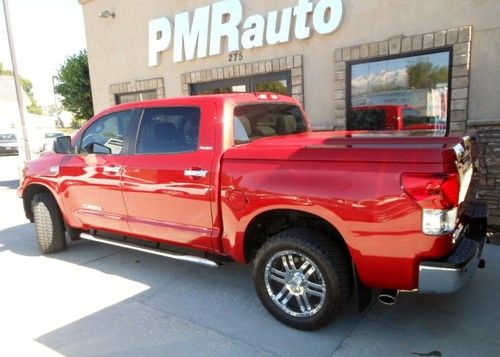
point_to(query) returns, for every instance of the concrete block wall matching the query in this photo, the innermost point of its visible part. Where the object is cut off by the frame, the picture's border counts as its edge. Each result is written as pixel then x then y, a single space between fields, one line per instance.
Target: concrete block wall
pixel 488 136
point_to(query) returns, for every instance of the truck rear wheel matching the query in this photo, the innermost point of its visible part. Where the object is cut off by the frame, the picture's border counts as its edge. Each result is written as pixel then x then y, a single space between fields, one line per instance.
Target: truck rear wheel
pixel 49 224
pixel 302 277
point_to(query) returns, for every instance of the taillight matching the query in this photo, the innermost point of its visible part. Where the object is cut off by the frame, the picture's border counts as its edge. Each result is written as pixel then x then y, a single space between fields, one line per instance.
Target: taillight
pixel 435 191
pixel 449 160
pixel 438 195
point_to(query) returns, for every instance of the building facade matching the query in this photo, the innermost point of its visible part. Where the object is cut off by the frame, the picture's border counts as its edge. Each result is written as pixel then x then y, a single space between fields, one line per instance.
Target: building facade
pixel 355 64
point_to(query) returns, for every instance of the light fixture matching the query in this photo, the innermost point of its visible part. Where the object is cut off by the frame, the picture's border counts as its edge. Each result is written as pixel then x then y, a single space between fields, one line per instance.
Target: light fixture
pixel 106 14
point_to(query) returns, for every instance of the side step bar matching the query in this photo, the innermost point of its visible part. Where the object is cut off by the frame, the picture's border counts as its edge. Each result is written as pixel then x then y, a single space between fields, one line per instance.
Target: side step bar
pixel 187 258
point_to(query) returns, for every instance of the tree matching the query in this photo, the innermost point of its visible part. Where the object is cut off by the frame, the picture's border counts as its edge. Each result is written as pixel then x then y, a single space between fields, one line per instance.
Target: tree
pixel 275 87
pixel 426 75
pixel 74 86
pixel 53 110
pixel 27 86
pixel 34 107
pixel 4 72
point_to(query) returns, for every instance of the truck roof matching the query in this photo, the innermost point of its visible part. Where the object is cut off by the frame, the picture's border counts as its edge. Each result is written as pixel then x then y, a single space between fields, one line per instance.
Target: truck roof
pixel 236 98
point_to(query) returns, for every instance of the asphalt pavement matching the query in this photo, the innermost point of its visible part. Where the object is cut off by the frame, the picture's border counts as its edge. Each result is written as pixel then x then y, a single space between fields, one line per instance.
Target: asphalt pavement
pixel 94 299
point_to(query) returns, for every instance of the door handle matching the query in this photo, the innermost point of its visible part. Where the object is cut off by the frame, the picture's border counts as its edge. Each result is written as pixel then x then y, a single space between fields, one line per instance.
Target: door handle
pixel 195 173
pixel 112 169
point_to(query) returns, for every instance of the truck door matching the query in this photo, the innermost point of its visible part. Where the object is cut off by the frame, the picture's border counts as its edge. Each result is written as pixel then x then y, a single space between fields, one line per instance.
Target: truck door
pixel 90 181
pixel 168 185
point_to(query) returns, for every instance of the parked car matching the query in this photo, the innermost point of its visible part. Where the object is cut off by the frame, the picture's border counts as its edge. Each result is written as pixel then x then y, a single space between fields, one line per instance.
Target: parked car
pixel 8 144
pixel 320 216
pixel 48 140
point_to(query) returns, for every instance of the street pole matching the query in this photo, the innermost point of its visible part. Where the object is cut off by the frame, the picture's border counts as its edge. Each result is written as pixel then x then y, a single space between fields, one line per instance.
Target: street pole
pixel 56 110
pixel 24 151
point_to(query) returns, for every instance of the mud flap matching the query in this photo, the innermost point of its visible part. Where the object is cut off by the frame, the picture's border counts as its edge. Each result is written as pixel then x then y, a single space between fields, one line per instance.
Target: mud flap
pixel 362 292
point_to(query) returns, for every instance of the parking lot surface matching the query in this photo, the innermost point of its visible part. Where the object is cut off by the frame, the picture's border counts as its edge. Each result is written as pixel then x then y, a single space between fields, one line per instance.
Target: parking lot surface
pixel 95 299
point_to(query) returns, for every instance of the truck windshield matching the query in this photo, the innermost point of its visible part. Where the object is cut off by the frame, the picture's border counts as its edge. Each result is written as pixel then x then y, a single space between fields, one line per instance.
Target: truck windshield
pixel 253 121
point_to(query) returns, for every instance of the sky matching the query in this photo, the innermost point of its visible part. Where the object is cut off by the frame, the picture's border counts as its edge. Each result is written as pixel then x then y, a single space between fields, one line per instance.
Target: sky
pixel 45 33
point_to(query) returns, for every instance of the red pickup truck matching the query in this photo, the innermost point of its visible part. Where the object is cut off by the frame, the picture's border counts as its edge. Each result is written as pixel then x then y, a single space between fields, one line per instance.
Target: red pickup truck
pixel 321 216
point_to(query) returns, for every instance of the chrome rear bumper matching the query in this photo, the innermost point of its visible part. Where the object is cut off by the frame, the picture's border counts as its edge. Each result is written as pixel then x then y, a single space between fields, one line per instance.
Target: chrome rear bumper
pixel 450 274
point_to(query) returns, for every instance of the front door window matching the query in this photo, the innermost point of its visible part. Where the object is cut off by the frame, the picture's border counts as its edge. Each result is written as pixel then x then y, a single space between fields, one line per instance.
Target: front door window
pixel 107 132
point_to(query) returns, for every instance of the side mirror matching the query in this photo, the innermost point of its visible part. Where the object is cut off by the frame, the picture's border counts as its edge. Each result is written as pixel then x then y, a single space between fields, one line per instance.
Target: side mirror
pixel 96 148
pixel 62 145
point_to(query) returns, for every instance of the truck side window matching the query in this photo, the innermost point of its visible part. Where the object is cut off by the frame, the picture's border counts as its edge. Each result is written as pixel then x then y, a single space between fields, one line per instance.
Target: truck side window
pixel 169 130
pixel 242 130
pixel 254 121
pixel 107 134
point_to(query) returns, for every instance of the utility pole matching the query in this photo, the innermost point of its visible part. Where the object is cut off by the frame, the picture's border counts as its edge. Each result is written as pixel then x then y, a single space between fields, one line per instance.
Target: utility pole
pixel 56 109
pixel 24 150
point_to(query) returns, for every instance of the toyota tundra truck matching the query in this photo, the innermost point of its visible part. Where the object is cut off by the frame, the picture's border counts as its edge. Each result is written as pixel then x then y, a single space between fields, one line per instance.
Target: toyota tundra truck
pixel 321 217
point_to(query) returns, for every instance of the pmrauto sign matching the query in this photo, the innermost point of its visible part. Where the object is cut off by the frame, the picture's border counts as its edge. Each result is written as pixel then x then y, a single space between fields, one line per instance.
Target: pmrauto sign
pixel 201 34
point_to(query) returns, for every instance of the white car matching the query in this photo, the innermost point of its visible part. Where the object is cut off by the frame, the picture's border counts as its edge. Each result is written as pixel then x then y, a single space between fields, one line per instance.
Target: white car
pixel 48 140
pixel 8 144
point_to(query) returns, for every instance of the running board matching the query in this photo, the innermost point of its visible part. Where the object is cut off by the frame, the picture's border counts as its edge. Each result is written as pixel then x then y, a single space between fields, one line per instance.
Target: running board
pixel 187 258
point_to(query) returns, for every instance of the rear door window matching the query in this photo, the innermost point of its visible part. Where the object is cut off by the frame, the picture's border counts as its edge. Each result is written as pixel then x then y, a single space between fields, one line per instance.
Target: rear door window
pixel 169 130
pixel 253 121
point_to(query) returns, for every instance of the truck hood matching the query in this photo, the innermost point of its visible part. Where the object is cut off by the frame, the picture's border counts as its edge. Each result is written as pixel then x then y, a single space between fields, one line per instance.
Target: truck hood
pixel 345 146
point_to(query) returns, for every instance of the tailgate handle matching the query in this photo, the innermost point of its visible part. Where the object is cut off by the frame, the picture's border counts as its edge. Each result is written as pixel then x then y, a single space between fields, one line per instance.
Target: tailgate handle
pixel 112 169
pixel 195 173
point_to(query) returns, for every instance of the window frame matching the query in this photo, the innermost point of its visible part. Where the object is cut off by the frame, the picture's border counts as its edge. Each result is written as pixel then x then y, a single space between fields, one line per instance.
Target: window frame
pixel 247 104
pixel 349 64
pixel 126 137
pixel 249 81
pixel 137 127
pixel 140 93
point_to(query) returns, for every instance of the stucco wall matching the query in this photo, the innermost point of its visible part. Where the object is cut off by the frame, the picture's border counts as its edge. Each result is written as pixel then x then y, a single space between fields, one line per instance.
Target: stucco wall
pixel 118 48
pixel 485 64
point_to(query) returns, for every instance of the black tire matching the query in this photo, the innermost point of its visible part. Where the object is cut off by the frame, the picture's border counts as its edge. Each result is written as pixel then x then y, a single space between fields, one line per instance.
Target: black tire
pixel 331 270
pixel 49 224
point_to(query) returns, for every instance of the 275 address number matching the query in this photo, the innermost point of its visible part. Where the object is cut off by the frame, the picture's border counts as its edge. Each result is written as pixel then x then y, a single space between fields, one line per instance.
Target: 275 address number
pixel 235 56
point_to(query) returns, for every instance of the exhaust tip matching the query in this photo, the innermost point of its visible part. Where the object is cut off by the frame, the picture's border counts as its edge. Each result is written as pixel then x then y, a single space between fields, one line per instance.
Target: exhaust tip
pixel 388 297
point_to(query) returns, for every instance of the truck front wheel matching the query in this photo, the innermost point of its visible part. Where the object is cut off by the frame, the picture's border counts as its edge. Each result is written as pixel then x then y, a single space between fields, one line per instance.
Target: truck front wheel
pixel 49 224
pixel 302 277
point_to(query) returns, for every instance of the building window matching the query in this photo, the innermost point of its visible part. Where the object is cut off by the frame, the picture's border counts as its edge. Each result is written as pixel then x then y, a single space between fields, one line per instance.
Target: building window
pixel 132 91
pixel 400 93
pixel 430 51
pixel 136 96
pixel 283 75
pixel 279 83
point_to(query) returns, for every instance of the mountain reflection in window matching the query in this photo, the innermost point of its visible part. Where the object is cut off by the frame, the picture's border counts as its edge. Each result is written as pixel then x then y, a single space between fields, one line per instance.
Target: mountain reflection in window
pixel 404 93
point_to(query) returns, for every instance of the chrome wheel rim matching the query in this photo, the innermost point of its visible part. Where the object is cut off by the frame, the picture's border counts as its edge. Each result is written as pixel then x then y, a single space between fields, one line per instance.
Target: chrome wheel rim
pixel 295 284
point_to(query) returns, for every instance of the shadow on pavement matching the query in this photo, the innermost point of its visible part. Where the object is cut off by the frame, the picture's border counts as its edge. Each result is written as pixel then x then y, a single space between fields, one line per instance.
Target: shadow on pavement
pixel 188 309
pixel 19 240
